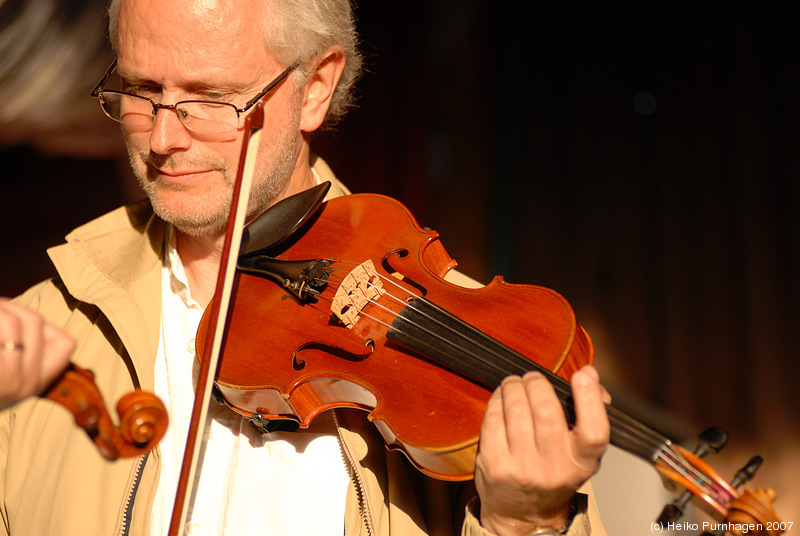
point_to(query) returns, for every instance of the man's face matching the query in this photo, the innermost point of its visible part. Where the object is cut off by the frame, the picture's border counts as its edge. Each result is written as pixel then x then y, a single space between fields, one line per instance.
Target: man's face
pixel 190 50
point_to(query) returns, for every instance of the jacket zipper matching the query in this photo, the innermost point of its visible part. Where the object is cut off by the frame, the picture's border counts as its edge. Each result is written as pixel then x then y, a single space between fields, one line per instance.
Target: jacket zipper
pixel 358 482
pixel 127 509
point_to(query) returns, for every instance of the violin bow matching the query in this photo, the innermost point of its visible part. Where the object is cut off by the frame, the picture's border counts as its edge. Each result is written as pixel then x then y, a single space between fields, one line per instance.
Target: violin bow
pixel 254 122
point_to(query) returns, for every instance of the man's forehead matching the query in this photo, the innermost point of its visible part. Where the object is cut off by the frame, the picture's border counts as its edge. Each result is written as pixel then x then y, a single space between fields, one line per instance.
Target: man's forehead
pixel 200 11
pixel 184 25
pixel 197 39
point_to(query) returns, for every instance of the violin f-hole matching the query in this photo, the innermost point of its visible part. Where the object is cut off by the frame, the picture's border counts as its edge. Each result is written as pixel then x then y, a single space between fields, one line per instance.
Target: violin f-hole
pixel 335 351
pixel 387 265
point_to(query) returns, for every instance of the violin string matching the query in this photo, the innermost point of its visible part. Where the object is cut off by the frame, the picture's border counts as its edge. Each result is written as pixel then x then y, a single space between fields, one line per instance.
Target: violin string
pixel 636 435
pixel 390 281
pixel 361 312
pixel 639 438
pixel 634 432
pixel 658 448
pixel 434 333
pixel 677 462
pixel 437 334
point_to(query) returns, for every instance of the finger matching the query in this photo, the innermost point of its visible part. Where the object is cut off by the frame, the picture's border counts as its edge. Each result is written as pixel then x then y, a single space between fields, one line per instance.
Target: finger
pixel 32 338
pixel 10 325
pixel 519 418
pixel 592 371
pixel 23 326
pixel 493 441
pixel 591 431
pixel 45 349
pixel 21 364
pixel 549 421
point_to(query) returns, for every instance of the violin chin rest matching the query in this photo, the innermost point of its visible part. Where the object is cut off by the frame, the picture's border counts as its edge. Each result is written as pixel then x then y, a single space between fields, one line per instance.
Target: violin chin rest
pixel 282 219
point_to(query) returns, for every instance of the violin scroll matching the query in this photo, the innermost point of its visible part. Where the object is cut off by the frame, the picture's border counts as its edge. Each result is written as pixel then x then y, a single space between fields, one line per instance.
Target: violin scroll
pixel 753 508
pixel 743 512
pixel 143 420
pixel 143 417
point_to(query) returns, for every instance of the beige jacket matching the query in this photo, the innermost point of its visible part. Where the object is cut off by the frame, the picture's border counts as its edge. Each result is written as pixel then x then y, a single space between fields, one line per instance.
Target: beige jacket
pixel 107 296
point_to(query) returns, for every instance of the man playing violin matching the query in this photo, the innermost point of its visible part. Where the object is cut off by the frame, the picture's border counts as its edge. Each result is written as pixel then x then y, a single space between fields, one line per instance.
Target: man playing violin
pixel 133 284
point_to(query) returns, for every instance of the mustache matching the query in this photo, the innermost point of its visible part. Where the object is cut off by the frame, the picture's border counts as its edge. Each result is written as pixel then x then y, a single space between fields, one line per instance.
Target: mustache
pixel 178 161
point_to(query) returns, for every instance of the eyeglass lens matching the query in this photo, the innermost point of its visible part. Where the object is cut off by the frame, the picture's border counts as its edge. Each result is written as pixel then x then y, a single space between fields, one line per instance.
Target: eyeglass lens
pixel 136 111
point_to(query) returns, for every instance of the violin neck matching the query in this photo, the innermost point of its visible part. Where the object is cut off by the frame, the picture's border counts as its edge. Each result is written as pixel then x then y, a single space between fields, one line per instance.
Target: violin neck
pixel 471 353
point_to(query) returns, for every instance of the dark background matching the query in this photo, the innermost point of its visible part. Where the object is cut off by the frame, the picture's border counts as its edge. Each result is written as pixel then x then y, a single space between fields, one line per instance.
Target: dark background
pixel 641 161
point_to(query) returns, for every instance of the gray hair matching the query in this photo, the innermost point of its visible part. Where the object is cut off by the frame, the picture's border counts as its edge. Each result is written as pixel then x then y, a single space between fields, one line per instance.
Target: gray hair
pixel 298 32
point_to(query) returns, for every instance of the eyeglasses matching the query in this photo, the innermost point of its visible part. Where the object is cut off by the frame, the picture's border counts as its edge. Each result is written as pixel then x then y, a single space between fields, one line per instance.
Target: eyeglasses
pixel 205 117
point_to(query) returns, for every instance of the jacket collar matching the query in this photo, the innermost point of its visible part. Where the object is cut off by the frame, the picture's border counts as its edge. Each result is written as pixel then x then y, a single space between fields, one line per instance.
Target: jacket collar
pixel 114 263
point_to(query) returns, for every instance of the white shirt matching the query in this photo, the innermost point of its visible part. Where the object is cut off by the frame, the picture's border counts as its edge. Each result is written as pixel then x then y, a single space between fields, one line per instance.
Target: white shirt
pixel 250 483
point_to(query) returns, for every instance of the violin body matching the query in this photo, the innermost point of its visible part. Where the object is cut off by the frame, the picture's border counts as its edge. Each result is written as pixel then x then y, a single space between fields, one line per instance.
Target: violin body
pixel 290 358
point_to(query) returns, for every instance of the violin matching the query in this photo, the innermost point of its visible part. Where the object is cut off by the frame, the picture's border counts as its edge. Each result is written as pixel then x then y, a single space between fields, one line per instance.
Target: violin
pixel 142 416
pixel 353 322
pixel 345 304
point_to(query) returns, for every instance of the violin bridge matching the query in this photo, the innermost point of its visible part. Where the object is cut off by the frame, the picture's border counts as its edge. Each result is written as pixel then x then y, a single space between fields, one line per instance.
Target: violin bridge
pixel 361 286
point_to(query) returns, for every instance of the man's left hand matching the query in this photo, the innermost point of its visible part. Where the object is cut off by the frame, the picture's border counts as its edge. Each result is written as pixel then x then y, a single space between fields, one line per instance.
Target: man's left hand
pixel 530 462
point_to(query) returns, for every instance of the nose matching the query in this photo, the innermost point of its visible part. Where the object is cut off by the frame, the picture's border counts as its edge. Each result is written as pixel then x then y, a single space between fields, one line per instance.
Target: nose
pixel 168 134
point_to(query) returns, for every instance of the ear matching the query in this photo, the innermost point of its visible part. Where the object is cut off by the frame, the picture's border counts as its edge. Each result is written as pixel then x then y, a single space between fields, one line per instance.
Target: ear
pixel 319 90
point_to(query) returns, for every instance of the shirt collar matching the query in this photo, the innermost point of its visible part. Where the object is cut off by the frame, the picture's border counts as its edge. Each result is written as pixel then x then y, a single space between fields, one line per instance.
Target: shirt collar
pixel 179 283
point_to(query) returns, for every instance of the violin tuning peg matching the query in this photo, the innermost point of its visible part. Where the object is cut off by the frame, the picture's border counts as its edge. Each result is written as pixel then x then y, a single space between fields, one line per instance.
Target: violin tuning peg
pixel 747 472
pixel 714 438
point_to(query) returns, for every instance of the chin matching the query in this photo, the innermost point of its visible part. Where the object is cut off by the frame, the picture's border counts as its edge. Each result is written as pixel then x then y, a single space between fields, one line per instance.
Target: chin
pixel 191 215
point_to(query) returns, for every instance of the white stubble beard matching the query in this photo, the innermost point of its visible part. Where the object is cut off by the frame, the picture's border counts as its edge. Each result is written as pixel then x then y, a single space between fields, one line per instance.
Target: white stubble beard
pixel 209 214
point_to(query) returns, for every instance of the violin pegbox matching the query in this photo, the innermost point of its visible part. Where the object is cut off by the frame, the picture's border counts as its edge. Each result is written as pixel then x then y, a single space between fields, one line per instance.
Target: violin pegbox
pixel 740 511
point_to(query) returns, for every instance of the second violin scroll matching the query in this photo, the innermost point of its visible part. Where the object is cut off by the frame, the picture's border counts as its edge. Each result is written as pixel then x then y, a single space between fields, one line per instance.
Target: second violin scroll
pixel 143 417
